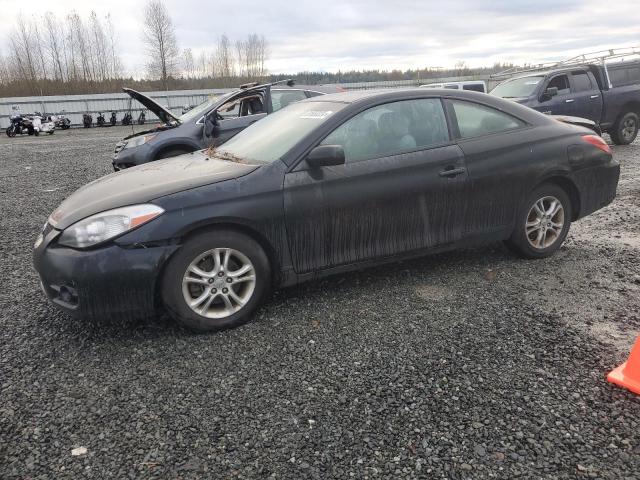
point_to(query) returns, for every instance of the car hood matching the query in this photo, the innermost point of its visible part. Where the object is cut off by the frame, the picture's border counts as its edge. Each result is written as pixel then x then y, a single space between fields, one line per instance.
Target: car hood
pixel 144 183
pixel 161 112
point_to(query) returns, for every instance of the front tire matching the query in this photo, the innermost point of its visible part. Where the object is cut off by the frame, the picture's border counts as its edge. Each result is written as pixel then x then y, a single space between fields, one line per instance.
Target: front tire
pixel 216 281
pixel 625 130
pixel 542 222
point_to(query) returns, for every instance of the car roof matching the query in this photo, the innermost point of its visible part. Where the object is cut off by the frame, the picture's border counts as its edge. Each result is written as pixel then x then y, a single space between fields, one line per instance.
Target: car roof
pixel 392 93
pixel 380 96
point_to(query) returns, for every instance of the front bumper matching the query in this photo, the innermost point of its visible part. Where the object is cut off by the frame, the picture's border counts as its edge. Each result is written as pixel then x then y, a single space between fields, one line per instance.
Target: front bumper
pixel 129 157
pixel 103 282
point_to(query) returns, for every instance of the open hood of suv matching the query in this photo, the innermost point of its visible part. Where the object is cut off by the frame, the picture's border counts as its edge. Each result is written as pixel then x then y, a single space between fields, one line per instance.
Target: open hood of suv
pixel 161 112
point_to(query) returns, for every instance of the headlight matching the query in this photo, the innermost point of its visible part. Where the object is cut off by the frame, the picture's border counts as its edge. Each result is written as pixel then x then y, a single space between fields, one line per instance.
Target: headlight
pixel 137 141
pixel 104 226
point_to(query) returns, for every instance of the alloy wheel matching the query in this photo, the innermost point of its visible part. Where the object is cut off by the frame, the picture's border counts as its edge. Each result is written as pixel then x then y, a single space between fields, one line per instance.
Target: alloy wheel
pixel 628 129
pixel 219 282
pixel 545 222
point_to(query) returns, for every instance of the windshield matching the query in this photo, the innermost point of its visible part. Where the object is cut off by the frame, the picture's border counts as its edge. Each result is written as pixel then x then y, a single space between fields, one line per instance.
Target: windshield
pixel 269 139
pixel 517 88
pixel 198 110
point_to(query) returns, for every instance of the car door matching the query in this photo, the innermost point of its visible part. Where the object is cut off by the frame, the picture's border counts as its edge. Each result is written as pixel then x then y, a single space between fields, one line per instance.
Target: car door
pixel 397 191
pixel 496 147
pixel 561 104
pixel 587 95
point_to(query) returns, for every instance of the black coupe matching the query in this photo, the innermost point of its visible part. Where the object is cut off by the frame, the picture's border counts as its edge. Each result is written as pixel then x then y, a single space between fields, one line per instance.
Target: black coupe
pixel 326 185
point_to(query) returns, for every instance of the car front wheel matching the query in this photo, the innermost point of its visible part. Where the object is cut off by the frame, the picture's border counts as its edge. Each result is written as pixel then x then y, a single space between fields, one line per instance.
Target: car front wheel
pixel 543 223
pixel 216 280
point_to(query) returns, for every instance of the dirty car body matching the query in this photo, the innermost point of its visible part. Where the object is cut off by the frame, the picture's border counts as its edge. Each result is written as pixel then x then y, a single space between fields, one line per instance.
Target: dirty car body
pixel 211 123
pixel 362 178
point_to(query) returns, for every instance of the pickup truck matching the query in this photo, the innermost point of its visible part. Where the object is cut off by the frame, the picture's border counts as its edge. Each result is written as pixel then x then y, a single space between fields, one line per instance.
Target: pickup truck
pixel 607 94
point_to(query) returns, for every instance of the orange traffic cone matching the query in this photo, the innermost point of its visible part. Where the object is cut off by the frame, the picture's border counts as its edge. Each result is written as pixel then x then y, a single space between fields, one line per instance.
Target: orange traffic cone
pixel 627 375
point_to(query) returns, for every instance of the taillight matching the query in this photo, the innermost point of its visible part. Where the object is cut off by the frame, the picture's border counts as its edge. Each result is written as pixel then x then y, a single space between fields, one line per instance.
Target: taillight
pixel 597 142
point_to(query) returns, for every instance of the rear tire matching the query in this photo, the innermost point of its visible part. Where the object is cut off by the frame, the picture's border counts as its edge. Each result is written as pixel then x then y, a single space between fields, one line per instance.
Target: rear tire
pixel 200 293
pixel 542 222
pixel 625 130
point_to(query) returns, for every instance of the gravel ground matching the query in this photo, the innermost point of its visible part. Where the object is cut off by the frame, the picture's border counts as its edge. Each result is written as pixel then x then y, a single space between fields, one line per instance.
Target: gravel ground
pixel 470 364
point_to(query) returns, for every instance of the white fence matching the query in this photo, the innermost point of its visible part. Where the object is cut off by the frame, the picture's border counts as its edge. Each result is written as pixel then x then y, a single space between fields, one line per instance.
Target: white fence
pixel 75 105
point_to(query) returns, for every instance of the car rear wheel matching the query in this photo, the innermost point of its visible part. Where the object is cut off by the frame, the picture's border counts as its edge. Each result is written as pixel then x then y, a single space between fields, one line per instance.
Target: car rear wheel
pixel 542 223
pixel 216 280
pixel 625 130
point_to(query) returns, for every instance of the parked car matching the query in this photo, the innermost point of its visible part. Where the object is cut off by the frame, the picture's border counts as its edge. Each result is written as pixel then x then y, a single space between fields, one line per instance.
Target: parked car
pixel 326 185
pixel 473 85
pixel 608 95
pixel 211 123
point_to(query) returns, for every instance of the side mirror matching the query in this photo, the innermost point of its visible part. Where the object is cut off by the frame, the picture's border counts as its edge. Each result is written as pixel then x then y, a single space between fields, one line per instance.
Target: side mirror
pixel 211 125
pixel 326 155
pixel 549 93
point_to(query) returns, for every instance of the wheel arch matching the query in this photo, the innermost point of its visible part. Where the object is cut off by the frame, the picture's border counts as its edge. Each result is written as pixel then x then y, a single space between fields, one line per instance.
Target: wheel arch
pixel 247 230
pixel 631 106
pixel 175 145
pixel 569 188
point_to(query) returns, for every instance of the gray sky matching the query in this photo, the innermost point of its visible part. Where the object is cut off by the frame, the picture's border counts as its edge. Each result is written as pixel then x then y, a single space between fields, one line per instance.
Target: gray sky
pixel 336 35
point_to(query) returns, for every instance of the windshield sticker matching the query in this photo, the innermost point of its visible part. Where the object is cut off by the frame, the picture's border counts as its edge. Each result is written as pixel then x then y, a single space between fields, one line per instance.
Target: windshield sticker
pixel 315 115
pixel 532 82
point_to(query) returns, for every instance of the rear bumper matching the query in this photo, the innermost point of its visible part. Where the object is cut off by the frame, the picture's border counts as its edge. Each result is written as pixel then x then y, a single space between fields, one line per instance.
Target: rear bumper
pixel 106 282
pixel 597 186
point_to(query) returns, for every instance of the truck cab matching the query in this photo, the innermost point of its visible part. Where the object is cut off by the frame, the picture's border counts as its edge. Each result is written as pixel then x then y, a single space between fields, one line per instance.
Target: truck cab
pixel 571 92
pixel 603 87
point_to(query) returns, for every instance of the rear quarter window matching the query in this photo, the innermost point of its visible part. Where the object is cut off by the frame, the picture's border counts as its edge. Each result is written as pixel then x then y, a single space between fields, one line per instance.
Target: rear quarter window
pixel 475 120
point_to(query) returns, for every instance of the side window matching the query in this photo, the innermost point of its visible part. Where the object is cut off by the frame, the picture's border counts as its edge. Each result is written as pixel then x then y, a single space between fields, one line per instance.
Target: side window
pixel 391 129
pixel 475 120
pixel 562 83
pixel 581 82
pixel 230 109
pixel 282 98
pixel 476 87
pixel 242 107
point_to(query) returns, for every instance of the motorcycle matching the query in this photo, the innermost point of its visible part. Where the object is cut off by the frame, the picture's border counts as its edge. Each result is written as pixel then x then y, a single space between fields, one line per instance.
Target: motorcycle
pixel 127 119
pixel 141 118
pixel 43 123
pixel 113 119
pixel 100 121
pixel 20 125
pixel 87 120
pixel 61 121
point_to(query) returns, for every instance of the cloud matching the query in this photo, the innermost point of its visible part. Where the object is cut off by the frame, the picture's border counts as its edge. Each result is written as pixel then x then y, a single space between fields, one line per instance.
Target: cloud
pixel 346 34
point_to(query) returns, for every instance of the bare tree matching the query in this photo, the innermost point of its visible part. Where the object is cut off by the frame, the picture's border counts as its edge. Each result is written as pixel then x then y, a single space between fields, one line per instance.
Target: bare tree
pixel 188 63
pixel 54 44
pixel 224 57
pixel 160 38
pixel 115 65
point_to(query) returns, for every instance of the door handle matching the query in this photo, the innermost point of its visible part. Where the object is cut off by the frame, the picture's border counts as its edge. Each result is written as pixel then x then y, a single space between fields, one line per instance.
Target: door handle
pixel 595 96
pixel 452 171
pixel 570 100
